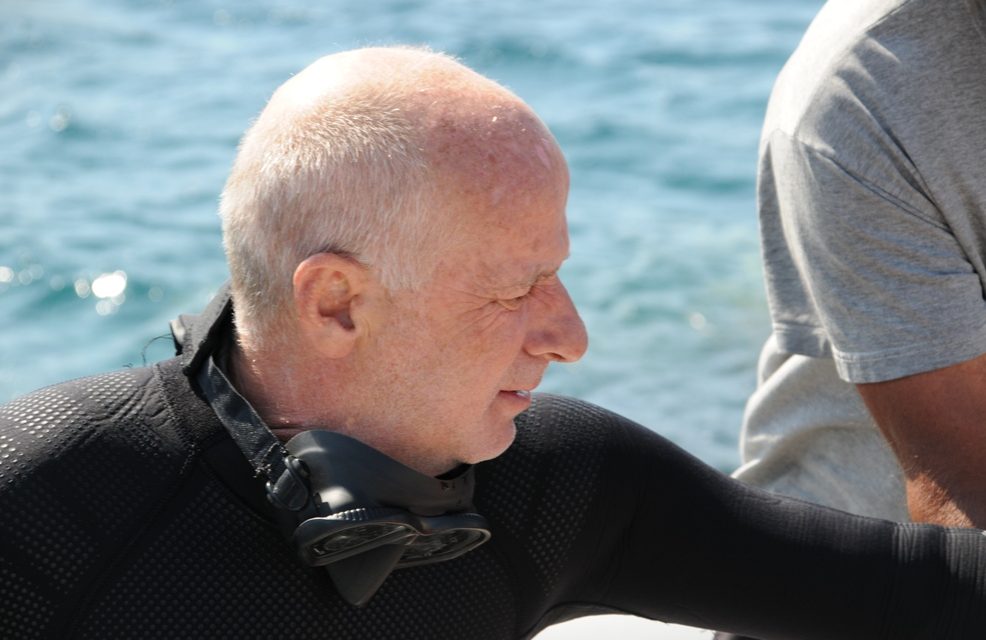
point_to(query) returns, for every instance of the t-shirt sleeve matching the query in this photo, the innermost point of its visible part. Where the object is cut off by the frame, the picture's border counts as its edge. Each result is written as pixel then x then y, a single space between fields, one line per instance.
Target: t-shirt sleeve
pixel 875 276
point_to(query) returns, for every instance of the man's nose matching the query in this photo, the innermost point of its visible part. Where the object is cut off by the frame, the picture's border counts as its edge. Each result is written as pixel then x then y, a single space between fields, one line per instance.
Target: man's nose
pixel 558 333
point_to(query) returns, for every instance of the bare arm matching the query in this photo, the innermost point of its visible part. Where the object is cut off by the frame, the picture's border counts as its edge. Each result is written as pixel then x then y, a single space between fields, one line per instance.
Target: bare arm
pixel 936 424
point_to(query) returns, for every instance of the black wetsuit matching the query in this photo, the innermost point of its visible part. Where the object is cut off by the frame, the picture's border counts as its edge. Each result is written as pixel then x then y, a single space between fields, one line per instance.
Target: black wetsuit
pixel 126 511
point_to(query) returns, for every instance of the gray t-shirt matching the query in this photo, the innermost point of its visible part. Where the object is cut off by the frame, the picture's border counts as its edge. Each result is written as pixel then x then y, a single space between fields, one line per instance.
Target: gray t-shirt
pixel 872 199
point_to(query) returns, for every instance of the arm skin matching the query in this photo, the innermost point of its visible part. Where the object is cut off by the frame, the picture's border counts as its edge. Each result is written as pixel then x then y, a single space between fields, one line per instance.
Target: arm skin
pixel 936 424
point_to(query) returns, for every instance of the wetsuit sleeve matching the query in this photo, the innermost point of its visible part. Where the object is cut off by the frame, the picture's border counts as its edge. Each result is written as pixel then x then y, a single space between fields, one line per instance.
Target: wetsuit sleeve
pixel 700 548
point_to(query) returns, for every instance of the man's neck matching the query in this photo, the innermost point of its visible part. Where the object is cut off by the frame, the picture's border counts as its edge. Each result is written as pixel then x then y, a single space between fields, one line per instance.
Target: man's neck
pixel 269 387
pixel 291 399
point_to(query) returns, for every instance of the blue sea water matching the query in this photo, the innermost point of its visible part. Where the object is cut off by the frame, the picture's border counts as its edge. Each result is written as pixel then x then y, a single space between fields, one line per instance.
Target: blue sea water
pixel 119 120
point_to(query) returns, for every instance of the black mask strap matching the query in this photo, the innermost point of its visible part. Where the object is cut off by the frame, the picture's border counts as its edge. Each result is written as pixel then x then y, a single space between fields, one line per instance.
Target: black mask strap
pixel 286 486
pixel 347 506
pixel 199 340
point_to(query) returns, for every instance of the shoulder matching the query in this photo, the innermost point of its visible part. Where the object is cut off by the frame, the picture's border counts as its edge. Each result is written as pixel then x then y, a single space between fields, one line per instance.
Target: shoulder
pixel 561 497
pixel 568 452
pixel 880 74
pixel 105 445
pixel 547 494
pixel 567 429
pixel 112 412
pixel 550 413
pixel 84 465
pixel 48 420
pixel 103 441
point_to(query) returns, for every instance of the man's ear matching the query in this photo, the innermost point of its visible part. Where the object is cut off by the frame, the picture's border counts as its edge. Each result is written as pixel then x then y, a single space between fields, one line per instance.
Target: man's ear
pixel 326 288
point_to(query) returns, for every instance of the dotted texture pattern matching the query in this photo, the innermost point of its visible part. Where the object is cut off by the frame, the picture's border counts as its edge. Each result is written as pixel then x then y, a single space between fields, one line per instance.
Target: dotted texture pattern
pixel 542 489
pixel 141 536
pixel 126 512
pixel 218 571
pixel 81 469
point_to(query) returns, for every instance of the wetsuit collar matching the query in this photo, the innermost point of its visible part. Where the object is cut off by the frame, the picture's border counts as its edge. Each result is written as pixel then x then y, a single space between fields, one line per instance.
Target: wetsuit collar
pixel 196 337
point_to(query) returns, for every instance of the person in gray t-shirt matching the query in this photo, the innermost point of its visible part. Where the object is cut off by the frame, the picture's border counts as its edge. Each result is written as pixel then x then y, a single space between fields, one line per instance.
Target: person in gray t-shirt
pixel 872 199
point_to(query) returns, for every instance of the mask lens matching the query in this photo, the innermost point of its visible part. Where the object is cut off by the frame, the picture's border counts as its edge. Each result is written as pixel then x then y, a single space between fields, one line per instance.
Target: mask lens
pixel 326 540
pixel 440 546
pixel 348 541
pixel 354 537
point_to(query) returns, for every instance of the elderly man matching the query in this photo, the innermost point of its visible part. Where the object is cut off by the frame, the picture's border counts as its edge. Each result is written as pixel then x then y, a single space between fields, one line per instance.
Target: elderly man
pixel 383 237
pixel 348 448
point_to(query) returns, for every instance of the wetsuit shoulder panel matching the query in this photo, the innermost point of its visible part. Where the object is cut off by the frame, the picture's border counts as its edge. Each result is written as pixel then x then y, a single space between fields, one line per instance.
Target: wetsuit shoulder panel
pixel 82 465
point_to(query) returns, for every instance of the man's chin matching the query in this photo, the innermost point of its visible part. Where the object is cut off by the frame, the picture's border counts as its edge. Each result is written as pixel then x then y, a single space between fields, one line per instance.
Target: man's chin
pixel 498 439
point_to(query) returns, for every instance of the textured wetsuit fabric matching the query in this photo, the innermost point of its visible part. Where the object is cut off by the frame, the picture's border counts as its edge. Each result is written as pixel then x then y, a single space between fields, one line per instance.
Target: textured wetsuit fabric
pixel 127 512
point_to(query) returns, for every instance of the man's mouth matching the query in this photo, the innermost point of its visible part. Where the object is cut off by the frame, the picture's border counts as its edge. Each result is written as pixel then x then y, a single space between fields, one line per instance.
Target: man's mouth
pixel 520 399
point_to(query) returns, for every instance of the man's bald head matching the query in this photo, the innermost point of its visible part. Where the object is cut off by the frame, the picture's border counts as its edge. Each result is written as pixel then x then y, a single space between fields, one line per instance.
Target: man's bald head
pixel 359 154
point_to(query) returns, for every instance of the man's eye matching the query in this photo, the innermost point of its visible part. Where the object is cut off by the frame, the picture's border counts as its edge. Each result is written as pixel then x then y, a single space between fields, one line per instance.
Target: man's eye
pixel 512 304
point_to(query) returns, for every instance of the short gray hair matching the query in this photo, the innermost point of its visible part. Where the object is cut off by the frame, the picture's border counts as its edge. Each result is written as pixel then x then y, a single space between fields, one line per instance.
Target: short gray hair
pixel 345 176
